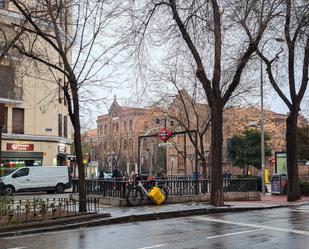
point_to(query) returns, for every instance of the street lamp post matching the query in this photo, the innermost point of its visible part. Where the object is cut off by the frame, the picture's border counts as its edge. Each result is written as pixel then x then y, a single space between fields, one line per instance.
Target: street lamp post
pixel 171 123
pixel 262 129
pixel 139 144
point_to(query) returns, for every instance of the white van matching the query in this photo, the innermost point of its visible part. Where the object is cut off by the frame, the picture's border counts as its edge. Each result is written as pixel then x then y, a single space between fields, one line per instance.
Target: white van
pixel 44 178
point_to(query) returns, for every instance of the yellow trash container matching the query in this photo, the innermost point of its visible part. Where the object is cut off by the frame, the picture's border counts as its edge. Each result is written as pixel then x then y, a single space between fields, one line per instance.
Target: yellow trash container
pixel 156 195
pixel 266 176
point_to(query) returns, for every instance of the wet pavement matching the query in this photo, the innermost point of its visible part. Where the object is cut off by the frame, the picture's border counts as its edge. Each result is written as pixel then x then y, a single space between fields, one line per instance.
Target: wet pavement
pixel 268 201
pixel 284 228
pixel 152 209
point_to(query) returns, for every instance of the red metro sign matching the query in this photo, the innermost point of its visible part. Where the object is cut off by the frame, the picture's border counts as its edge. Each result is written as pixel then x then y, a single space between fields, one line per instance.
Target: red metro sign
pixel 165 134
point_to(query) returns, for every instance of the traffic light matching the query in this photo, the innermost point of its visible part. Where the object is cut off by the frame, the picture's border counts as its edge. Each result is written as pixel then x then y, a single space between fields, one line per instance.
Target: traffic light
pixel 93 155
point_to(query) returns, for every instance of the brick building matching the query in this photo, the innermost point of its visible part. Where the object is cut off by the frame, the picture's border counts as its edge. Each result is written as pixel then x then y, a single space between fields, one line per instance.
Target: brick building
pixel 118 132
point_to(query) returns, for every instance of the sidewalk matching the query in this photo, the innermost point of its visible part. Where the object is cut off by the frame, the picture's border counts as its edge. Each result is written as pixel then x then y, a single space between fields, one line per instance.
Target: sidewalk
pixel 150 212
pixel 269 200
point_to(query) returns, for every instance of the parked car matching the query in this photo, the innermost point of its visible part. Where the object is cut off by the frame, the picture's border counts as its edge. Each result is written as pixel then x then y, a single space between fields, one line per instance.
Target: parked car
pixel 107 175
pixel 104 175
pixel 29 179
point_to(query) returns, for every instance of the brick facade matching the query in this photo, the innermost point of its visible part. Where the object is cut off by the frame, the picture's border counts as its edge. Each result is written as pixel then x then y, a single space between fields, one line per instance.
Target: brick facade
pixel 118 131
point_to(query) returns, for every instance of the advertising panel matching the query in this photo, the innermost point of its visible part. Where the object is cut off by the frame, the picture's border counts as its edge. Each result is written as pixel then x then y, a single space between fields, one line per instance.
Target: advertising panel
pixel 281 167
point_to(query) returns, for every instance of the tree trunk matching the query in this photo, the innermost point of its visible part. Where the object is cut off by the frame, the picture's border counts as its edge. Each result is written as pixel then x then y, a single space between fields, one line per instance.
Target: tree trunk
pixel 204 165
pixel 292 162
pixel 202 155
pixel 78 150
pixel 217 196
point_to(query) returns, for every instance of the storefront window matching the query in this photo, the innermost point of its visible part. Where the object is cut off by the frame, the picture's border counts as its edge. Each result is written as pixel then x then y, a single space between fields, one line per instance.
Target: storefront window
pixel 9 165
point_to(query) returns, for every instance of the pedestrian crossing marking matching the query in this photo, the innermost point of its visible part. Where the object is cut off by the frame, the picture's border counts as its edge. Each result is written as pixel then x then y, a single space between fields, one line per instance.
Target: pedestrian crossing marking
pixel 236 233
pixel 154 246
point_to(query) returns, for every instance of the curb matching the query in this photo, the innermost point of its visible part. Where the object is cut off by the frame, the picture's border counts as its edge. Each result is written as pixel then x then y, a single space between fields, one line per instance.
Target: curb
pixel 105 219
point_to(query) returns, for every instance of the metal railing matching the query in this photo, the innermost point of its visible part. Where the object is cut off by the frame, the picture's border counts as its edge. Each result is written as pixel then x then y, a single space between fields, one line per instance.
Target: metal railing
pixel 186 186
pixel 177 187
pixel 118 188
pixel 108 188
pixel 240 184
pixel 23 211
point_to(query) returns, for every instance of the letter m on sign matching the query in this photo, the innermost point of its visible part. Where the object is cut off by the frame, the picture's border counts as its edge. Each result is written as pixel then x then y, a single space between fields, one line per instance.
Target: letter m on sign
pixel 165 134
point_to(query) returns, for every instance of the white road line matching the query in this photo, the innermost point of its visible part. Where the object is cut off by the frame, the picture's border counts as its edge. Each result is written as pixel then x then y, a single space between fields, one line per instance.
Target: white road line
pixel 300 210
pixel 230 234
pixel 18 247
pixel 155 246
pixel 254 225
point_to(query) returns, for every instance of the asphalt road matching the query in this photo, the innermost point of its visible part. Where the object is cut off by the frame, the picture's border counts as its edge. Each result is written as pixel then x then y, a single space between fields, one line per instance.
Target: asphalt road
pixel 283 228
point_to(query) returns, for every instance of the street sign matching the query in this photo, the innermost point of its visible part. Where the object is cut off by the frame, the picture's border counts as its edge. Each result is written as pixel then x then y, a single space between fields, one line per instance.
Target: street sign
pixel 165 134
pixel 165 144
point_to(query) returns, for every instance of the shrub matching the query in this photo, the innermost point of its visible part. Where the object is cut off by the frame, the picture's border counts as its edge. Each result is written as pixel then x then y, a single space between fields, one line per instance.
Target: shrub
pixel 304 188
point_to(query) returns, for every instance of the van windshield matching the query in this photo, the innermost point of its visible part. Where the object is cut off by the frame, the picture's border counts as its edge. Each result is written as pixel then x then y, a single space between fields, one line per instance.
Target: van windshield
pixel 8 172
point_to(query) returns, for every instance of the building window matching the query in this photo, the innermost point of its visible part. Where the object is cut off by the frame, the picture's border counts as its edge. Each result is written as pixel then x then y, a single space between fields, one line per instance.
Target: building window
pixel 125 125
pixel 5 126
pixel 3 4
pixel 18 121
pixel 130 144
pixel 105 129
pixel 115 127
pixel 7 81
pixel 125 144
pixel 100 130
pixel 130 125
pixel 104 146
pixel 65 126
pixel 60 125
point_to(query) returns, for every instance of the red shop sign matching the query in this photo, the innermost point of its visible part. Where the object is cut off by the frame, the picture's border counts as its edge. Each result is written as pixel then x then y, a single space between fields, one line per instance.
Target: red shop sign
pixel 20 147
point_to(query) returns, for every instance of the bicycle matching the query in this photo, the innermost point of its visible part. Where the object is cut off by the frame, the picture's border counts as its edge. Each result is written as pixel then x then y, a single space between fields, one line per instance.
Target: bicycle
pixel 137 193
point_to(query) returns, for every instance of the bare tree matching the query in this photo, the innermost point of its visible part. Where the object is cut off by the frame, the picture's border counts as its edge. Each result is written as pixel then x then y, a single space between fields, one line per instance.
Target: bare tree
pixel 188 109
pixel 68 38
pixel 220 38
pixel 293 25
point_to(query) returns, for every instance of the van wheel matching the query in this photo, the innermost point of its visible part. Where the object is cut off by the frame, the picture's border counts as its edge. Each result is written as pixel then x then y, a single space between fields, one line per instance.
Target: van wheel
pixel 8 190
pixel 60 188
